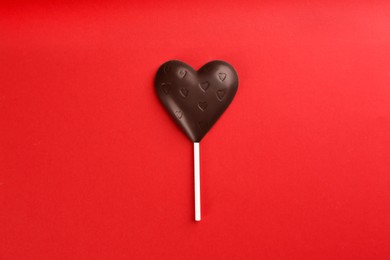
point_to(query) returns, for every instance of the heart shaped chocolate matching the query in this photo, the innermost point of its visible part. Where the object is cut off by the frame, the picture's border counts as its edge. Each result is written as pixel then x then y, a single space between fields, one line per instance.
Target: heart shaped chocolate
pixel 196 99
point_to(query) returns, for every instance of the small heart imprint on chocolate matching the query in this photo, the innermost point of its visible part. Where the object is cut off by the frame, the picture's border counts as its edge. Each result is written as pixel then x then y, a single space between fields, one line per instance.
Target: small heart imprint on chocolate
pixel 204 85
pixel 166 68
pixel 202 105
pixel 179 114
pixel 197 102
pixel 184 92
pixel 222 76
pixel 166 87
pixel 182 73
pixel 220 94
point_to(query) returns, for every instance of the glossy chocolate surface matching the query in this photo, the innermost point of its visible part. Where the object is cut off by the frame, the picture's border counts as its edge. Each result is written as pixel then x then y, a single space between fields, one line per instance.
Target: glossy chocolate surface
pixel 196 99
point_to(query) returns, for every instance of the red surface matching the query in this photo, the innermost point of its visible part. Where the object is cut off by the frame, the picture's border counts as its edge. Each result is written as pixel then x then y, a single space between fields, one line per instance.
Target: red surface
pixel 92 167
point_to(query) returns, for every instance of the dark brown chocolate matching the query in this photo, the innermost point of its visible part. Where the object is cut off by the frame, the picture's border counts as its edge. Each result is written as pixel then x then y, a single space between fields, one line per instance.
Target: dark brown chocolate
pixel 196 99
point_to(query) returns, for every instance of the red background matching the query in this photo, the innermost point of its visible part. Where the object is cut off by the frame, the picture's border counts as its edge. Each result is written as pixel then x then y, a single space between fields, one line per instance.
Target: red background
pixel 92 167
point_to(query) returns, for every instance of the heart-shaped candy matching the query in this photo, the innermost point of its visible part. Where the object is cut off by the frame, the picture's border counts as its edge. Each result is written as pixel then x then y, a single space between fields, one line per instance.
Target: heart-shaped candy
pixel 196 99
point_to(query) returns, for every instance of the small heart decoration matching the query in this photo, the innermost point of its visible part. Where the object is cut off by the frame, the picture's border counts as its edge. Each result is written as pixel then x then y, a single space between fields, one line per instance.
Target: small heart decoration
pixel 196 99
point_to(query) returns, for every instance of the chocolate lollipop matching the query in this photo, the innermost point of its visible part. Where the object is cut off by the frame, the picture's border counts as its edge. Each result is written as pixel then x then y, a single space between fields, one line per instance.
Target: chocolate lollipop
pixel 195 100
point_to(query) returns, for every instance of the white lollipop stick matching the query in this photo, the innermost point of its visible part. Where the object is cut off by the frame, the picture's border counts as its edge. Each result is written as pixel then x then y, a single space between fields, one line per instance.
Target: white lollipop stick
pixel 197 181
